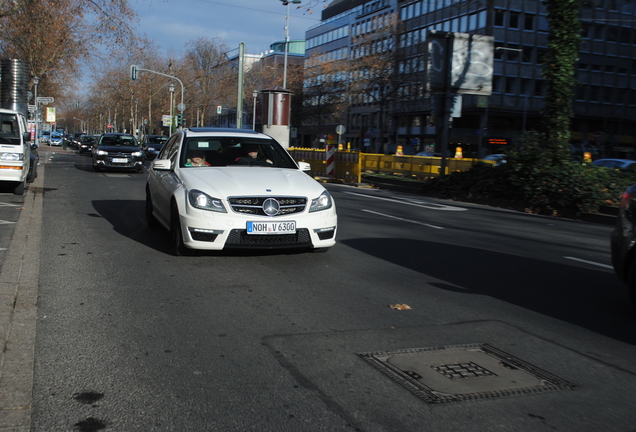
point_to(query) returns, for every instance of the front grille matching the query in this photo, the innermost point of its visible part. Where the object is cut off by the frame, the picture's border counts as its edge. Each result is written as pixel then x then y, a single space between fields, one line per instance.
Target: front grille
pixel 239 238
pixel 254 205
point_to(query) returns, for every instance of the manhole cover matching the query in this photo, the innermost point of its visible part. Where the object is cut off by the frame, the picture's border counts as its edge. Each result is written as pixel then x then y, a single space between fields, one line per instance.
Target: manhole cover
pixel 463 372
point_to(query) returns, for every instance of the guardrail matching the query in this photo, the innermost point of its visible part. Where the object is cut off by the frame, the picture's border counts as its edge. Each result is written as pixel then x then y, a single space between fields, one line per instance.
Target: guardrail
pixel 349 165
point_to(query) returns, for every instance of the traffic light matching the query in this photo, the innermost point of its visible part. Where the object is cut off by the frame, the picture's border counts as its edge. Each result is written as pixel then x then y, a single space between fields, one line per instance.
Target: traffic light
pixel 133 72
pixel 180 119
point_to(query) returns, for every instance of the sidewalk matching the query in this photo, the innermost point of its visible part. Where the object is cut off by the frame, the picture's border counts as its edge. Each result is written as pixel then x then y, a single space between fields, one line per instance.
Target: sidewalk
pixel 19 280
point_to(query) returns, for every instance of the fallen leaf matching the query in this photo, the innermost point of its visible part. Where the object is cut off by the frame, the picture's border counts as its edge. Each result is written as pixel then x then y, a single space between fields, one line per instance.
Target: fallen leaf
pixel 400 307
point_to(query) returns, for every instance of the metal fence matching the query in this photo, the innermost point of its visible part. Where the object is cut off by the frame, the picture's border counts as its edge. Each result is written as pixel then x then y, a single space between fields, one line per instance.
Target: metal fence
pixel 350 165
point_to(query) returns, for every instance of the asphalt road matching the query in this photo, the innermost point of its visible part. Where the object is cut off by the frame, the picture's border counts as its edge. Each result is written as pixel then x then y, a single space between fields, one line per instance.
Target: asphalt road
pixel 130 338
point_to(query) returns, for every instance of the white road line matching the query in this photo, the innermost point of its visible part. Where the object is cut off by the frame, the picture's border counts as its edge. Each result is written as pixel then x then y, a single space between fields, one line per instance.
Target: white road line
pixel 8 204
pixel 402 219
pixel 2 222
pixel 424 204
pixel 589 262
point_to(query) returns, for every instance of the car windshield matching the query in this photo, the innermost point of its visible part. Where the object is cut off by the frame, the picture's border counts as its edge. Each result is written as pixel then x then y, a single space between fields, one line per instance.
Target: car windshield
pixel 118 140
pixel 234 151
pixel 9 132
pixel 157 139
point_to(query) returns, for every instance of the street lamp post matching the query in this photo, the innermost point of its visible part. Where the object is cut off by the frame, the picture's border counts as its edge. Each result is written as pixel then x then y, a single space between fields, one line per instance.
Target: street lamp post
pixel 286 3
pixel 254 95
pixel 36 81
pixel 171 88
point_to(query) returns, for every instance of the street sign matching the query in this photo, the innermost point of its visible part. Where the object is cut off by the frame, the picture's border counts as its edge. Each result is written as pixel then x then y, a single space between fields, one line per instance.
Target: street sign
pixel 340 129
pixel 181 107
pixel 45 100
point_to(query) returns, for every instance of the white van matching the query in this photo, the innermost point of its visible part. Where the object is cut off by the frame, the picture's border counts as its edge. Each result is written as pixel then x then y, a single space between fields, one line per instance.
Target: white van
pixel 15 151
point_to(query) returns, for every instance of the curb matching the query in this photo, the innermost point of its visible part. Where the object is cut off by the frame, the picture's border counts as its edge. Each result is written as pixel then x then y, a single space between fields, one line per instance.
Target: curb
pixel 19 280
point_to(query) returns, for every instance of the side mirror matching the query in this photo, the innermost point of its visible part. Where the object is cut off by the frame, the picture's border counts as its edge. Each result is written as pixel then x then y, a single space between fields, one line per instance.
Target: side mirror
pixel 161 165
pixel 26 137
pixel 304 166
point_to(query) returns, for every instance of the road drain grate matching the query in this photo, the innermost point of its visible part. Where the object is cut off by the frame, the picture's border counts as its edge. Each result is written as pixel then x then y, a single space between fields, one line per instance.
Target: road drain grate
pixel 463 372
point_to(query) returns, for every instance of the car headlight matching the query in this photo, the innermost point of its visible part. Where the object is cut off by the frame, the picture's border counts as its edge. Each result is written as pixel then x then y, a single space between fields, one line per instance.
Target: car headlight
pixel 11 156
pixel 323 202
pixel 101 153
pixel 137 154
pixel 203 201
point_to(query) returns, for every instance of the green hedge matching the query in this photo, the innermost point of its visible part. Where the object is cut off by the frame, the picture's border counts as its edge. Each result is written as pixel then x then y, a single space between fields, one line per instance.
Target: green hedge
pixel 568 189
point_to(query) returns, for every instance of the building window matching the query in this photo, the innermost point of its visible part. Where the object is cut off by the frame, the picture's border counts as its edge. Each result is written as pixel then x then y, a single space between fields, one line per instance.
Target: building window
pixel 527 52
pixel 594 93
pixel 580 93
pixel 511 85
pixel 525 87
pixel 496 84
pixel 514 20
pixel 528 22
pixel 499 18
pixel 538 88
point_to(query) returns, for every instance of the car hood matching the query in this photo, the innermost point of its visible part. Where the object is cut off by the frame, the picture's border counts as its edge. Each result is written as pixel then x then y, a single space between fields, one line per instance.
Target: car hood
pixel 222 182
pixel 122 149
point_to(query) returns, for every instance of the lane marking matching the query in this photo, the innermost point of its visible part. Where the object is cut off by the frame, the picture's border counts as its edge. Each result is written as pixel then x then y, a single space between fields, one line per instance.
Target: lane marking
pixel 402 219
pixel 3 222
pixel 424 204
pixel 589 262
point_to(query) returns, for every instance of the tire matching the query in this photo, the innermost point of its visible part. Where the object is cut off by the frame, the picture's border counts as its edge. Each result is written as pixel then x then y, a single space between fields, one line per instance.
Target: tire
pixel 176 237
pixel 19 189
pixel 631 283
pixel 150 217
pixel 96 168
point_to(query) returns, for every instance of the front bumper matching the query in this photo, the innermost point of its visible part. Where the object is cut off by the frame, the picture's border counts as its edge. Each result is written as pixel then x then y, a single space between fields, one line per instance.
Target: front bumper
pixel 205 230
pixel 13 171
pixel 130 162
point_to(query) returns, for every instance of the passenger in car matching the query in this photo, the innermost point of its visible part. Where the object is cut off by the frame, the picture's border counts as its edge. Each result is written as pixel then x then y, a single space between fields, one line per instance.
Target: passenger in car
pixel 252 158
pixel 197 159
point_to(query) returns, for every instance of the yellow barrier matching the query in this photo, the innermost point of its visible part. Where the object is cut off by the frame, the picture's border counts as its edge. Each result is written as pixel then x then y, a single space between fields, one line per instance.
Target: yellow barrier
pixel 351 164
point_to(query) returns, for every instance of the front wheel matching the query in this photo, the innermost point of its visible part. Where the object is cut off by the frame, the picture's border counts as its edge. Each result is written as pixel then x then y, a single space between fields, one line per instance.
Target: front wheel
pixel 176 237
pixel 19 189
pixel 631 283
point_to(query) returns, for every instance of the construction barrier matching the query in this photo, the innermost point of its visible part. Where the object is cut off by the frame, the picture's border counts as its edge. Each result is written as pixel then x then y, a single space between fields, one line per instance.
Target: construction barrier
pixel 349 165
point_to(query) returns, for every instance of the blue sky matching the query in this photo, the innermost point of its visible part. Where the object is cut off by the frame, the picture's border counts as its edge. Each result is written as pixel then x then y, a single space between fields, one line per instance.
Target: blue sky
pixel 257 23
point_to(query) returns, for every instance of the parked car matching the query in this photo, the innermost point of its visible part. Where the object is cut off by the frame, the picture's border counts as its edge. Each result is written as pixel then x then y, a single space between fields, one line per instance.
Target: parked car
pixel 15 150
pixel 424 153
pixel 85 144
pixel 56 139
pixel 498 158
pixel 233 200
pixel 622 242
pixel 152 145
pixel 619 164
pixel 117 151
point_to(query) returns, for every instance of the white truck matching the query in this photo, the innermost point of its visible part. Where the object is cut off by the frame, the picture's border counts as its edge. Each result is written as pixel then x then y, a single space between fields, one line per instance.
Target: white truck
pixel 16 164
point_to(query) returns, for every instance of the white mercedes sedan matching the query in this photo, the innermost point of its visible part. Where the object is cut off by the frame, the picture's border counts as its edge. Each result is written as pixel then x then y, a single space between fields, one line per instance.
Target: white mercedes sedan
pixel 218 189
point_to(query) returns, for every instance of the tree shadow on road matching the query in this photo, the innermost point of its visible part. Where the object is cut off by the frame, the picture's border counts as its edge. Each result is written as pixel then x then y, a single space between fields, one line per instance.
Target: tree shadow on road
pixel 585 296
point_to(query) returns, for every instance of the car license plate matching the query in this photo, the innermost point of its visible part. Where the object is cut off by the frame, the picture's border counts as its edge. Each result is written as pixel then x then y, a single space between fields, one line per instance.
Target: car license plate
pixel 120 160
pixel 287 227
